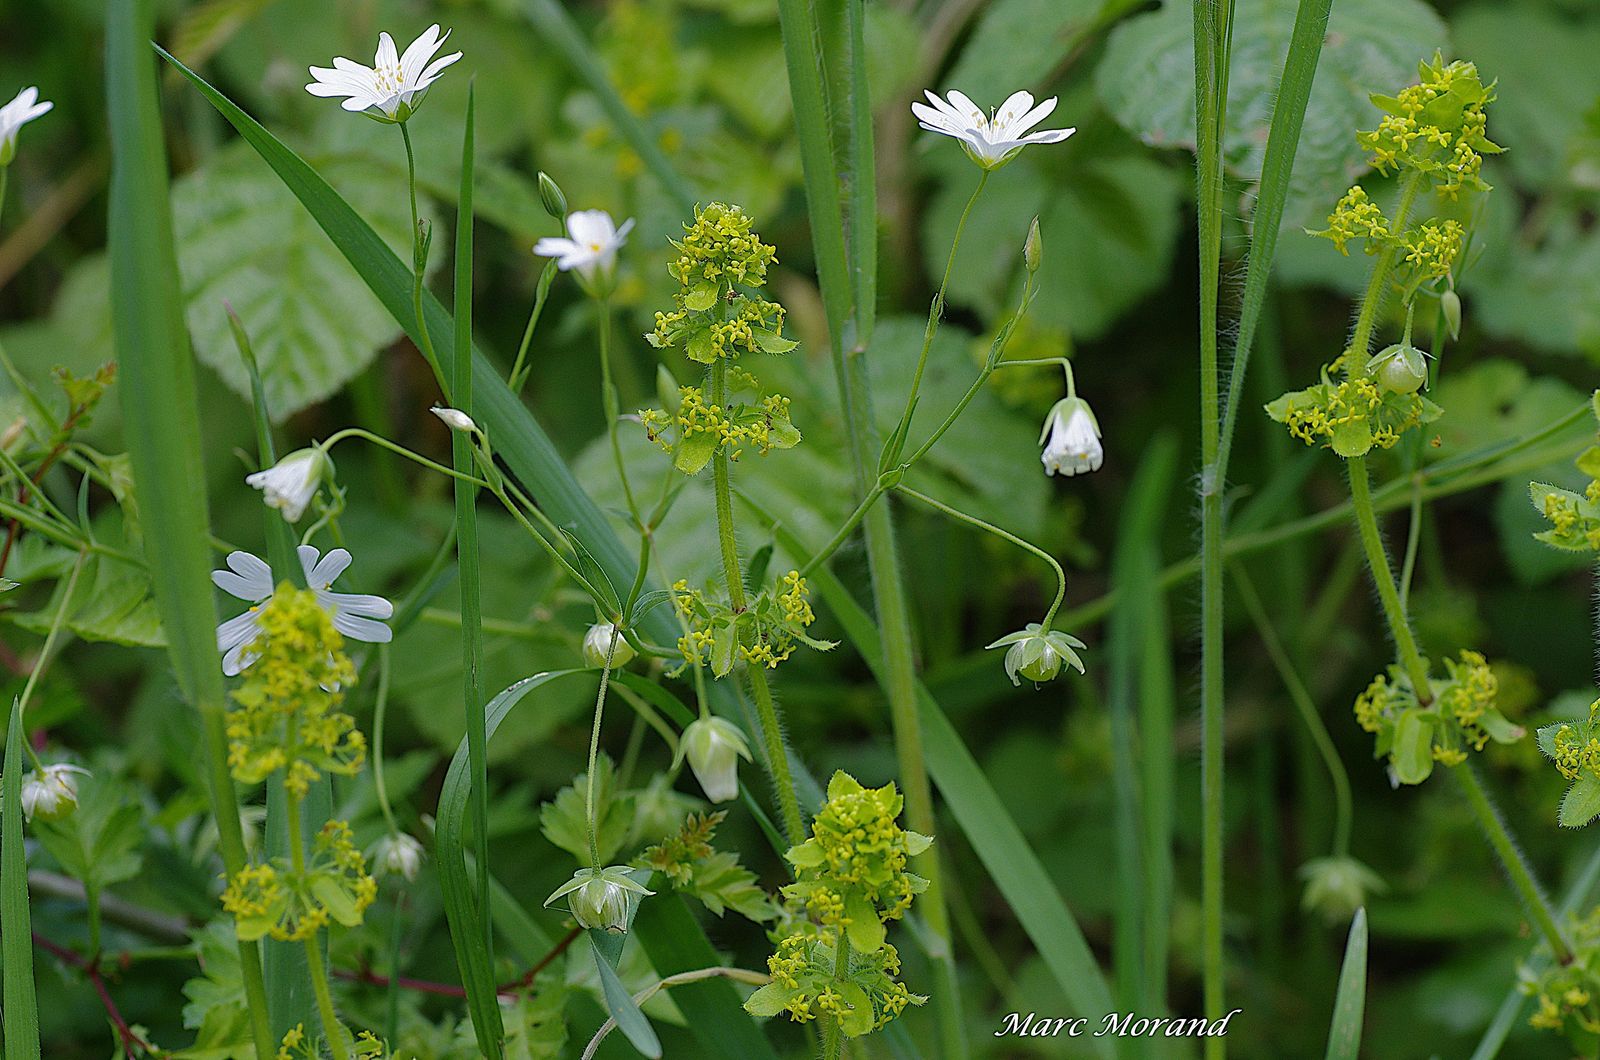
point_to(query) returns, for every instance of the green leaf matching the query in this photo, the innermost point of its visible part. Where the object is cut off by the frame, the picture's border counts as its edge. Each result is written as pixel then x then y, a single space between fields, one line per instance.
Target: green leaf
pixel 1581 804
pixel 622 1008
pixel 1021 42
pixel 1413 748
pixel 1146 80
pixel 564 819
pixel 1344 1034
pixel 20 1007
pixel 701 296
pixel 866 930
pixel 98 843
pixel 770 1000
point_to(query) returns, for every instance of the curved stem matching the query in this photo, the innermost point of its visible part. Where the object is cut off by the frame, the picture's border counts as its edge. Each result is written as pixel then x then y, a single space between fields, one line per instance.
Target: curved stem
pixel 608 394
pixel 519 367
pixel 1004 535
pixel 1383 577
pixel 400 450
pixel 44 653
pixel 380 714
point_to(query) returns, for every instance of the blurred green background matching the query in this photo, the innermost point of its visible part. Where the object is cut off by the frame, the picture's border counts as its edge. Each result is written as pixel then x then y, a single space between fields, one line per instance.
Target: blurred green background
pixel 1118 294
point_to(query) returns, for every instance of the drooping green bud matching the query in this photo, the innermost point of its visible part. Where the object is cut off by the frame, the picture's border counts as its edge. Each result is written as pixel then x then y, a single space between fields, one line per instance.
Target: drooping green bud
pixel 1037 653
pixel 1401 369
pixel 550 193
pixel 1450 305
pixel 602 898
pixel 597 644
pixel 1033 247
pixel 1337 886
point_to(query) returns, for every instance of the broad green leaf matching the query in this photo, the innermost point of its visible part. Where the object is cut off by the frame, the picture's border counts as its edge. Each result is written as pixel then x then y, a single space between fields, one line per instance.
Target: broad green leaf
pixel 1413 748
pixel 1020 43
pixel 1146 80
pixel 98 843
pixel 20 1006
pixel 1581 804
pixel 1344 1034
pixel 564 819
pixel 112 602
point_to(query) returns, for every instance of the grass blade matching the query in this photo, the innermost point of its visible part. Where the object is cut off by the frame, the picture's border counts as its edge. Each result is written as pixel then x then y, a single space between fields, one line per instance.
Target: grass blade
pixel 553 22
pixel 16 932
pixel 162 425
pixel 1344 1035
pixel 620 1004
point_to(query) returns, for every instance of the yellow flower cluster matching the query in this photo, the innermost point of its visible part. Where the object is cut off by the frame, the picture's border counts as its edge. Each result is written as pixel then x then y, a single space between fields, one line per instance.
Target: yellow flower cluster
pixel 1356 216
pixel 1438 126
pixel 696 420
pixel 805 986
pixel 1379 703
pixel 720 246
pixel 1566 991
pixel 285 713
pixel 795 599
pixel 1433 247
pixel 1576 754
pixel 1414 736
pixel 278 900
pixel 1351 416
pixel 1469 695
pixel 1574 517
pixel 297 1045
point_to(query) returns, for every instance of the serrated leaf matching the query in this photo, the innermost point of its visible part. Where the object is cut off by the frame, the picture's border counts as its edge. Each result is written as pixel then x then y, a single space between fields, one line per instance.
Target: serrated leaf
pixel 701 296
pixel 1146 79
pixel 564 819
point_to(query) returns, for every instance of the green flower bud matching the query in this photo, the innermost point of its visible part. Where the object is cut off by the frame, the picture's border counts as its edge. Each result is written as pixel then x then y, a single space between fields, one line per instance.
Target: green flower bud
pixel 51 794
pixel 714 747
pixel 1033 247
pixel 597 643
pixel 1401 369
pixel 602 898
pixel 1337 886
pixel 1037 653
pixel 1450 305
pixel 555 201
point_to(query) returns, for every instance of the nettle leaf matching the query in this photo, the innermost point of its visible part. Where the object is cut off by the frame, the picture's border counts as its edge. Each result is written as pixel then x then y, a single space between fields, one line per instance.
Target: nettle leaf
pixel 564 819
pixel 1146 80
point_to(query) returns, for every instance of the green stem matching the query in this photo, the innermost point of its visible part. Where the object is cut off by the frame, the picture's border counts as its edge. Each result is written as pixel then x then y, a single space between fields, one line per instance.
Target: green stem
pixel 380 715
pixel 594 754
pixel 417 458
pixel 519 367
pixel 613 412
pixel 1511 858
pixel 45 652
pixel 1357 355
pixel 1004 535
pixel 832 1034
pixel 313 942
pixel 766 709
pixel 419 262
pixel 1383 577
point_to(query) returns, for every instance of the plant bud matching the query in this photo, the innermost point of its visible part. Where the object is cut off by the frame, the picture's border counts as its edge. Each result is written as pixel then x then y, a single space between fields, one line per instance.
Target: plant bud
pixel 455 419
pixel 51 794
pixel 597 644
pixel 397 855
pixel 1401 369
pixel 555 202
pixel 1450 305
pixel 1033 247
pixel 714 747
pixel 602 899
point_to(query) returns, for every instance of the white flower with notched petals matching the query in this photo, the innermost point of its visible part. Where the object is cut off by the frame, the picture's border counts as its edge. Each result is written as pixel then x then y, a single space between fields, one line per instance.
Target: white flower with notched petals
pixel 590 245
pixel 249 578
pixel 52 792
pixel 714 747
pixel 1071 438
pixel 22 109
pixel 391 89
pixel 396 855
pixel 290 484
pixel 989 140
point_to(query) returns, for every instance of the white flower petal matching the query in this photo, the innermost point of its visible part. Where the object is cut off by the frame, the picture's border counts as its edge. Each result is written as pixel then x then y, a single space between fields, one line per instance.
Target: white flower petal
pixel 363 629
pixel 387 56
pixel 241 629
pixel 254 577
pixel 419 52
pixel 357 604
pixel 327 571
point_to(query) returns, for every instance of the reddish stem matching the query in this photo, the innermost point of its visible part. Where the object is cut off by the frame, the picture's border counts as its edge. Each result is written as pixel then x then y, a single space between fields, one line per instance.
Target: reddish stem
pixel 91 969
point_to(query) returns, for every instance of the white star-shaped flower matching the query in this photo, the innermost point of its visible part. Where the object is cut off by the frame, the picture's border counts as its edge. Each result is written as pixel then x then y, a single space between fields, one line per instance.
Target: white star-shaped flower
pixel 249 578
pixel 22 109
pixel 290 484
pixel 1071 438
pixel 590 246
pixel 391 89
pixel 995 139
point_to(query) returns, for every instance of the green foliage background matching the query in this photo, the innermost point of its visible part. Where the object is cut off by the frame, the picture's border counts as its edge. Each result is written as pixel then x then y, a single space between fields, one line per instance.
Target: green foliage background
pixel 707 78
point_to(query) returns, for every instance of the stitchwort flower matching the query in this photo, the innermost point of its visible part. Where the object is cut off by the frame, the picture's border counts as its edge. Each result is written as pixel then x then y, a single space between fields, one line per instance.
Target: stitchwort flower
pixel 1037 653
pixel 249 578
pixel 289 485
pixel 589 247
pixel 396 854
pixel 602 898
pixel 22 109
pixel 597 642
pixel 714 747
pixel 1071 439
pixel 990 141
pixel 51 793
pixel 391 89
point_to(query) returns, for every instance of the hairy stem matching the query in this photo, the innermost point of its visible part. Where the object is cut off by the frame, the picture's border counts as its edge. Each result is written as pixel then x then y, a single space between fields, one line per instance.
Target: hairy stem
pixel 1383 578
pixel 1511 858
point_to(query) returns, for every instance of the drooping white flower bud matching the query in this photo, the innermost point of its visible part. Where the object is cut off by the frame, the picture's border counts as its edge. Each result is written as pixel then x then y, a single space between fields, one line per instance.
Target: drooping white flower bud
pixel 597 643
pixel 601 898
pixel 714 747
pixel 1037 653
pixel 1337 886
pixel 398 855
pixel 51 794
pixel 1401 369
pixel 1450 305
pixel 290 484
pixel 455 419
pixel 22 109
pixel 1071 438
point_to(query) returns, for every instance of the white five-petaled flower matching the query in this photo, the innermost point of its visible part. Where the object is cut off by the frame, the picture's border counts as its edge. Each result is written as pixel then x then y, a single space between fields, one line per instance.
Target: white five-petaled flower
pixel 1071 438
pixel 290 484
pixel 398 854
pixel 355 615
pixel 714 747
pixel 392 87
pixel 51 793
pixel 22 109
pixel 989 140
pixel 590 245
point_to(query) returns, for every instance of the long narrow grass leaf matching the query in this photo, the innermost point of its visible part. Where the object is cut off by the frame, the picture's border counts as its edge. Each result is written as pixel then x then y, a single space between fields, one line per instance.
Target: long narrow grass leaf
pixel 162 425
pixel 21 1013
pixel 1344 1034
pixel 621 1005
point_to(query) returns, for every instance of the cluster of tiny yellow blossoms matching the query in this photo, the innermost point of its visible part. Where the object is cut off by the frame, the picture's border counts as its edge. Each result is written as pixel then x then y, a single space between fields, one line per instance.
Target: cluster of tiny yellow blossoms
pixel 285 713
pixel 1463 715
pixel 1566 991
pixel 297 1045
pixel 719 247
pixel 278 900
pixel 1355 408
pixel 1433 247
pixel 1576 754
pixel 1356 217
pixel 795 599
pixel 1468 697
pixel 1380 703
pixel 739 329
pixel 803 967
pixel 695 418
pixel 774 641
pixel 1438 126
pixel 1574 517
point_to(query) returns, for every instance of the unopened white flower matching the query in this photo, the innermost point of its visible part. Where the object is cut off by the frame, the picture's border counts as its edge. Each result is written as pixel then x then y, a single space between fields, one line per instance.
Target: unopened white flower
pixel 249 578
pixel 602 898
pixel 391 89
pixel 22 109
pixel 455 419
pixel 597 643
pixel 290 484
pixel 1071 438
pixel 1038 653
pixel 990 141
pixel 51 793
pixel 397 855
pixel 590 245
pixel 714 747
